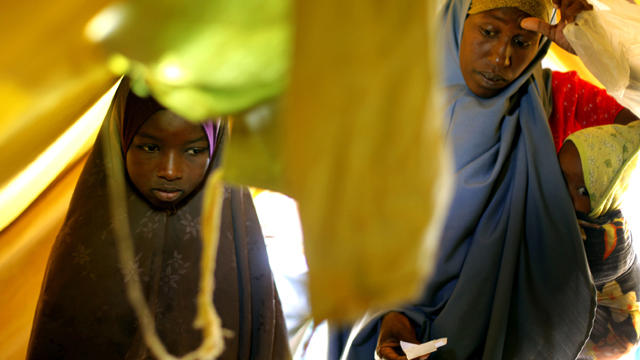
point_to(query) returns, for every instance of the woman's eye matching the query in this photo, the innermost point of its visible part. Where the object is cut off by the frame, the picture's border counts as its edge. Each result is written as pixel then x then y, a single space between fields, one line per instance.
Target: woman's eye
pixel 196 151
pixel 521 44
pixel 149 147
pixel 487 32
pixel 583 191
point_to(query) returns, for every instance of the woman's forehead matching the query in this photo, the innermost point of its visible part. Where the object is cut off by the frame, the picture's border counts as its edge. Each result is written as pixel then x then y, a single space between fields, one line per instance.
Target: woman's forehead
pixel 506 15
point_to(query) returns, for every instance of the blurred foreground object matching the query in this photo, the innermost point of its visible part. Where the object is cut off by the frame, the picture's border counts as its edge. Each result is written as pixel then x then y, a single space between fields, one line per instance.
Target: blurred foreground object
pixel 200 58
pixel 363 151
pixel 356 139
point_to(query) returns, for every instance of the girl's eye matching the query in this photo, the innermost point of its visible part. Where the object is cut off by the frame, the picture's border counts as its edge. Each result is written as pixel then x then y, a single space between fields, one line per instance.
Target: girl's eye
pixel 149 147
pixel 583 191
pixel 196 151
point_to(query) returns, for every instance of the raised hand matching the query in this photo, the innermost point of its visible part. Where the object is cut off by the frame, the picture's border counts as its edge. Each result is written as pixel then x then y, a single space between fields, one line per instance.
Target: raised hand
pixel 569 9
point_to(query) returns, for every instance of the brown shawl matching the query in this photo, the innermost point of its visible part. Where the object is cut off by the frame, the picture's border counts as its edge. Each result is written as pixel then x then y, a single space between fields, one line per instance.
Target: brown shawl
pixel 83 312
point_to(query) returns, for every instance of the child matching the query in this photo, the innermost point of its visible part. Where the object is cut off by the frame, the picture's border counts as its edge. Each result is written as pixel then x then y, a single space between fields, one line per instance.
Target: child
pixel 597 163
pixel 83 311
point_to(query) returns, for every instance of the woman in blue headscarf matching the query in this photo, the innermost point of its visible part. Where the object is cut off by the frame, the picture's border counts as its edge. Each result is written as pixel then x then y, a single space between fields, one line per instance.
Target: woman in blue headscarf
pixel 511 279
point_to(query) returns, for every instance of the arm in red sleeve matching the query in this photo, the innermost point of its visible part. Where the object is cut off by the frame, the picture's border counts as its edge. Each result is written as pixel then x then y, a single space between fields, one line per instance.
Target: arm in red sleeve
pixel 578 104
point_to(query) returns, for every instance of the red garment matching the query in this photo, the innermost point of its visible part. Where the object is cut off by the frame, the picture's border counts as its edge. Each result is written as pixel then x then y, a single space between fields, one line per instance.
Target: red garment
pixel 578 104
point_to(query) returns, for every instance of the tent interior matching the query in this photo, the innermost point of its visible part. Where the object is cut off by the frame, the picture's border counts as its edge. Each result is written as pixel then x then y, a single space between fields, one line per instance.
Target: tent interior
pixel 55 91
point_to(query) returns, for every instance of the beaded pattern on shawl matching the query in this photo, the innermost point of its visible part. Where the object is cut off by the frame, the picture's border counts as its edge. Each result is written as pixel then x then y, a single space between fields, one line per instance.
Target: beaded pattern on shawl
pixel 538 8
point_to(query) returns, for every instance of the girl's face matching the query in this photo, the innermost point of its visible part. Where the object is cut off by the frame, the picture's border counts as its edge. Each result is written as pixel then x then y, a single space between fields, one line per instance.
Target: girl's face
pixel 168 158
pixel 494 50
pixel 571 166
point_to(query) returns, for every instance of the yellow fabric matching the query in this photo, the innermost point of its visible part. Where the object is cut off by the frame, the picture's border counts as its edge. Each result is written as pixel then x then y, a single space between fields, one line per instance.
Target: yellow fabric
pixel 69 147
pixel 538 8
pixel 363 151
pixel 202 58
pixel 622 305
pixel 563 61
pixel 608 154
pixel 49 75
pixel 24 250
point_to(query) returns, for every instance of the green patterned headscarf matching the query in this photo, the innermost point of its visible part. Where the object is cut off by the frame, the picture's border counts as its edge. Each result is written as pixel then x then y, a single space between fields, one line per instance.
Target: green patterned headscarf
pixel 609 154
pixel 537 8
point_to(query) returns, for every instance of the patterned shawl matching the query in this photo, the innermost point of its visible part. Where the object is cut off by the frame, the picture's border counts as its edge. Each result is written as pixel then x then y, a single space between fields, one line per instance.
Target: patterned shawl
pixel 83 311
pixel 609 155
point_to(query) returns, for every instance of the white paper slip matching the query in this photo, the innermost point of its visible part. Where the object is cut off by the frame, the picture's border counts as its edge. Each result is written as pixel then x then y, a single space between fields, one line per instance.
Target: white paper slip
pixel 413 351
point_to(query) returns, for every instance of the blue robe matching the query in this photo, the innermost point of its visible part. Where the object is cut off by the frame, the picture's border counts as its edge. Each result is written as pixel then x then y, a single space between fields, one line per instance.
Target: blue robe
pixel 511 279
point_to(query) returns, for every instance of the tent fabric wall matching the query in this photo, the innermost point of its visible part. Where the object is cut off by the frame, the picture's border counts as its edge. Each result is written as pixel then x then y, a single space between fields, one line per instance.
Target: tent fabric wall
pixel 51 76
pixel 24 250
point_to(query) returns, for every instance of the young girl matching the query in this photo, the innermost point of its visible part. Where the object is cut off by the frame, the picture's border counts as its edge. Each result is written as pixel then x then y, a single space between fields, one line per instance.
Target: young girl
pixel 83 311
pixel 597 163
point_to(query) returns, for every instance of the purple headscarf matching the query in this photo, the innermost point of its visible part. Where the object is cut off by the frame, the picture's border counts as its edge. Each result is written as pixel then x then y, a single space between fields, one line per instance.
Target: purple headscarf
pixel 137 110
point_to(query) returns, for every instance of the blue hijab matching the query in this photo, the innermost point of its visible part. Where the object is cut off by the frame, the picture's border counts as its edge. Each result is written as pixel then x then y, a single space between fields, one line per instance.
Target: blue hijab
pixel 511 279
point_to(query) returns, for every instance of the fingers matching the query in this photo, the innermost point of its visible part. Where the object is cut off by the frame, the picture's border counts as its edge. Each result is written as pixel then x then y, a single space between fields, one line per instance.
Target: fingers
pixel 537 25
pixel 394 328
pixel 388 352
pixel 576 8
pixel 391 352
pixel 569 9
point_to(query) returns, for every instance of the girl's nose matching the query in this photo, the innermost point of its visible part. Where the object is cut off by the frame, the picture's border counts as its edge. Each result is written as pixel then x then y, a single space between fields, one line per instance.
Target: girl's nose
pixel 169 167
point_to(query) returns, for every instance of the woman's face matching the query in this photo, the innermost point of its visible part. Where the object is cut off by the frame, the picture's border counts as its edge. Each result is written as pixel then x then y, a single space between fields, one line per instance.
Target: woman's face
pixel 571 166
pixel 168 158
pixel 494 50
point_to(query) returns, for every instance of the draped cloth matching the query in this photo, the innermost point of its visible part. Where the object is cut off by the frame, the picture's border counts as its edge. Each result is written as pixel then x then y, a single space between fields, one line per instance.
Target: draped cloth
pixel 83 311
pixel 609 155
pixel 511 279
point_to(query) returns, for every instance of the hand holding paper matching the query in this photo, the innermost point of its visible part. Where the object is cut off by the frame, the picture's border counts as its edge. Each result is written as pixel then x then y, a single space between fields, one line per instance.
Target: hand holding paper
pixel 413 351
pixel 398 338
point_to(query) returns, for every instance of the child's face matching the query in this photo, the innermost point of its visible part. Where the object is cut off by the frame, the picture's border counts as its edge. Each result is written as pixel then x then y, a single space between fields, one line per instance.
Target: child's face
pixel 168 158
pixel 572 169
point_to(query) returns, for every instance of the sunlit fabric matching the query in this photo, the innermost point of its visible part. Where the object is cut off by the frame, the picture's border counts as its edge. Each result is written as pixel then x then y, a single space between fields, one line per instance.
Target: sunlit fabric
pixel 199 58
pixel 560 60
pixel 24 250
pixel 333 146
pixel 18 193
pixel 363 151
pixel 49 76
pixel 609 155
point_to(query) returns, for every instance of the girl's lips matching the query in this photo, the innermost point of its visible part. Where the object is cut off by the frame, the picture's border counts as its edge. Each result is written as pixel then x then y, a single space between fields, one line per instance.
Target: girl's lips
pixel 166 195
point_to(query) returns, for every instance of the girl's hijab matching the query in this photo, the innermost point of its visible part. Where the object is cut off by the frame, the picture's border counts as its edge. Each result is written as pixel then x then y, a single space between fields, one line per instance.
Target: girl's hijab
pixel 138 109
pixel 83 312
pixel 512 280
